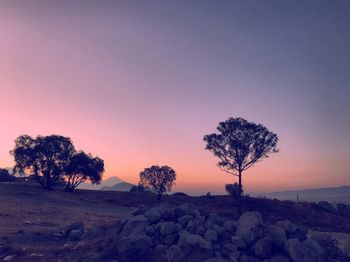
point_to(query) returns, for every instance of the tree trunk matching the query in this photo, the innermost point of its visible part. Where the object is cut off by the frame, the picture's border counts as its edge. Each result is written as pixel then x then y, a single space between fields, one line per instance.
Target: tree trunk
pixel 240 183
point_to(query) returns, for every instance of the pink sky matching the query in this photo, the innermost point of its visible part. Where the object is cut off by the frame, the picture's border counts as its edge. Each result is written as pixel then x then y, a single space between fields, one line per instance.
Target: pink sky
pixel 139 85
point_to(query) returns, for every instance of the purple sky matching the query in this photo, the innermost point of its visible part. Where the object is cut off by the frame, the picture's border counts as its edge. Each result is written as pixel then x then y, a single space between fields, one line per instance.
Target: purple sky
pixel 141 82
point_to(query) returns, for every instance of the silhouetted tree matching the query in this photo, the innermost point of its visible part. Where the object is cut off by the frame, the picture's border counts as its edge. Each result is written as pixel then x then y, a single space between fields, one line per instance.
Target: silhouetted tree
pixel 83 167
pixel 158 179
pixel 46 157
pixel 240 144
pixel 5 176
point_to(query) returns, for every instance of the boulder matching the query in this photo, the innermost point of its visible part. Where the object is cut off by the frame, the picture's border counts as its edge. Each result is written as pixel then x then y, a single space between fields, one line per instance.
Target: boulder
pixel 153 215
pixel 276 234
pixel 77 225
pixel 167 228
pixel 245 258
pixel 250 227
pixel 193 240
pixel 169 240
pixel 307 251
pixel 230 226
pixel 75 234
pixel 183 220
pixel 134 248
pixel 287 226
pixel 135 225
pixel 238 242
pixel 211 235
pixel 139 210
pixel 263 247
pixel 230 247
pixel 277 258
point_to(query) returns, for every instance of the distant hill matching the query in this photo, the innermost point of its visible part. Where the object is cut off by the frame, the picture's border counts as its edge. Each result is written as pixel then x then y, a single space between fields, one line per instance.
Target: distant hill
pixel 123 186
pixel 109 182
pixel 331 194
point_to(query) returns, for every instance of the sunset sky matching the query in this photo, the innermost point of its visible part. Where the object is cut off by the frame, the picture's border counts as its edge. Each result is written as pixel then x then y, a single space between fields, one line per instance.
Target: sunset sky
pixel 141 82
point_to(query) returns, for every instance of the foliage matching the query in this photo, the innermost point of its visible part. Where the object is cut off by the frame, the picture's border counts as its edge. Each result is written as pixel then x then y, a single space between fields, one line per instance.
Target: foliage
pixel 158 179
pixel 234 190
pixel 5 176
pixel 83 167
pixel 44 156
pixel 139 189
pixel 53 161
pixel 240 144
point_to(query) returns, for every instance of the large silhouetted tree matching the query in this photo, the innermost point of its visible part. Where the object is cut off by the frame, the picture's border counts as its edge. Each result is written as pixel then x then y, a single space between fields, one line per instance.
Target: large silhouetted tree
pixel 46 157
pixel 240 144
pixel 83 167
pixel 158 179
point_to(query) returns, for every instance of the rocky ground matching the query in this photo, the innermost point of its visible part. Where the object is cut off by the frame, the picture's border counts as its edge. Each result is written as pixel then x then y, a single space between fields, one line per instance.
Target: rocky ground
pixel 39 225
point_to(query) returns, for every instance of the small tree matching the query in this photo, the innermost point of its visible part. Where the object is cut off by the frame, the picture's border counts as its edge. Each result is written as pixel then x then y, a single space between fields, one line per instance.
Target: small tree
pixel 5 176
pixel 158 179
pixel 234 190
pixel 239 145
pixel 45 157
pixel 83 167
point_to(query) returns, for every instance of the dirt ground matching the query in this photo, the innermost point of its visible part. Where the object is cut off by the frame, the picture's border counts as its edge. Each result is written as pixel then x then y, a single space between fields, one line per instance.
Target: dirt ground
pixel 29 216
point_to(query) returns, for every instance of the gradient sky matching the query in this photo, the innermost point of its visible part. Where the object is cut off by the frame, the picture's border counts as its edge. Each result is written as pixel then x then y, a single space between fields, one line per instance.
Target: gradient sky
pixel 141 82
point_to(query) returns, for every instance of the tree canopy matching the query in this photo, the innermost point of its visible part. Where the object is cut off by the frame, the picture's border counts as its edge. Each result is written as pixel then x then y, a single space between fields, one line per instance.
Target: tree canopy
pixel 159 179
pixel 83 167
pixel 53 158
pixel 240 144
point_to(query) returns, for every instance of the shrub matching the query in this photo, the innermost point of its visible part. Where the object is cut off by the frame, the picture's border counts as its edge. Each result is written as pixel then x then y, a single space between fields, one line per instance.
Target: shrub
pixel 5 176
pixel 139 189
pixel 234 190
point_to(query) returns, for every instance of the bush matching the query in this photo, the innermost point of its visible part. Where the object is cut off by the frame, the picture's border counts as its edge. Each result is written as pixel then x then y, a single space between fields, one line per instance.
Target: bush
pixel 233 190
pixel 5 176
pixel 139 189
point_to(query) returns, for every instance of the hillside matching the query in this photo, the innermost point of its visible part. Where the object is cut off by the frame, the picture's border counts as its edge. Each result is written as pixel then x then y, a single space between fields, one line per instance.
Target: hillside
pixel 31 218
pixel 109 182
pixel 331 194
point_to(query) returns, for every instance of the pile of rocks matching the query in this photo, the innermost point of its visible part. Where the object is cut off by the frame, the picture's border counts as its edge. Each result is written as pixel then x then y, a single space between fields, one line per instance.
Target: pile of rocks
pixel 183 233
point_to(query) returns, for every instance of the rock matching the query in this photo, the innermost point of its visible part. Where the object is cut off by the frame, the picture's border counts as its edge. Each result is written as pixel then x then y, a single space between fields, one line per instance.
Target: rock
pixel 179 212
pixel 277 258
pixel 230 247
pixel 300 234
pixel 343 209
pixel 135 225
pixel 250 227
pixel 218 229
pixel 327 207
pixel 150 230
pixel 77 225
pixel 139 210
pixel 174 253
pixel 153 215
pixel 193 240
pixel 200 230
pixel 238 242
pixel 9 258
pixel 211 235
pixel 230 226
pixel 167 228
pixel 167 212
pixel 135 248
pixel 184 220
pixel 245 258
pixel 191 227
pixel 75 234
pixel 214 218
pixel 276 234
pixel 169 240
pixel 214 259
pixel 262 248
pixel 287 225
pixel 307 251
pixel 189 209
pixel 178 227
